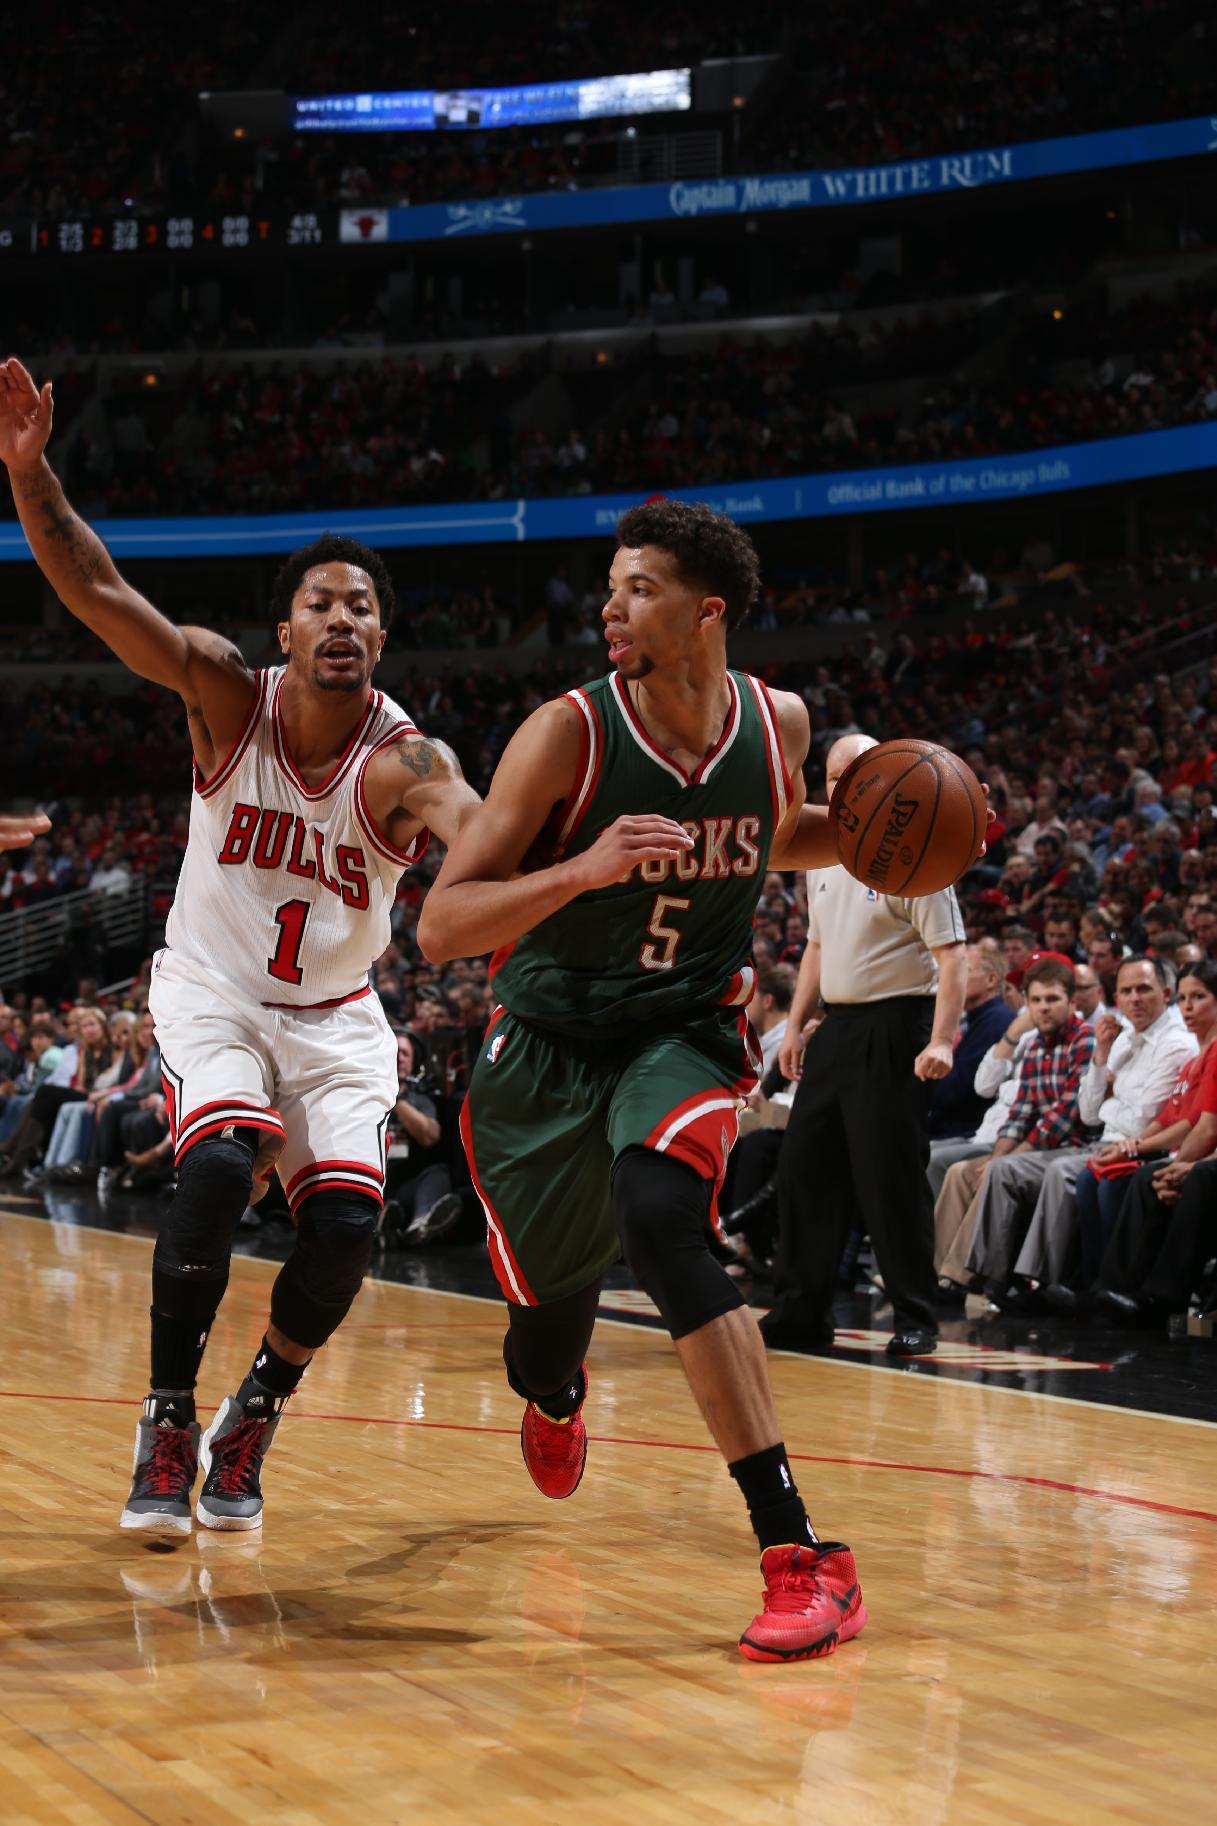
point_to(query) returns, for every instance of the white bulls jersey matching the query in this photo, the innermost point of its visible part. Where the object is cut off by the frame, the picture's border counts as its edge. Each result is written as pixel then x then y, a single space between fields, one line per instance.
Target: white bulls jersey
pixel 286 889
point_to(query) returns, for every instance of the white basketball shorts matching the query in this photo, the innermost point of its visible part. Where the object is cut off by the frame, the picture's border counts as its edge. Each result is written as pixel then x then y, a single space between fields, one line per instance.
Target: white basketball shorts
pixel 324 1079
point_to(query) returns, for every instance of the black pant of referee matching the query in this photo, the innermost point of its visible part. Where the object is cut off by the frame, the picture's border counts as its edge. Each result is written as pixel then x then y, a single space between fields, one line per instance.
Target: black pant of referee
pixel 855 1151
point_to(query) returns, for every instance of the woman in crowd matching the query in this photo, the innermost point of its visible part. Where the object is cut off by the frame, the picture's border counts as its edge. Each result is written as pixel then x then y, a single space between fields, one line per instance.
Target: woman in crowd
pixel 41 1054
pixel 87 1061
pixel 87 1141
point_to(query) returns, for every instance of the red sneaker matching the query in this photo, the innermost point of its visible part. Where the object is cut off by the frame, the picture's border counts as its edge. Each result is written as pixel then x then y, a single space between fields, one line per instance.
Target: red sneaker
pixel 812 1602
pixel 555 1451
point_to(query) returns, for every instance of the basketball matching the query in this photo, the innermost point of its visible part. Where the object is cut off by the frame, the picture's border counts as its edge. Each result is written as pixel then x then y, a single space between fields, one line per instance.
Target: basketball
pixel 909 817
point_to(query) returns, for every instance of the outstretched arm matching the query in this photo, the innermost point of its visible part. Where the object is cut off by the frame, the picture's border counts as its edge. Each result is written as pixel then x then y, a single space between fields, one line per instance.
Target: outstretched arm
pixel 804 839
pixel 206 670
pixel 17 831
pixel 475 905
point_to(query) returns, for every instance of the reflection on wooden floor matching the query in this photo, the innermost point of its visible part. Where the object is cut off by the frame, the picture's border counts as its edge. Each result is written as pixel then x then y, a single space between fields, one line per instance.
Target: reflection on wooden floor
pixel 421 1637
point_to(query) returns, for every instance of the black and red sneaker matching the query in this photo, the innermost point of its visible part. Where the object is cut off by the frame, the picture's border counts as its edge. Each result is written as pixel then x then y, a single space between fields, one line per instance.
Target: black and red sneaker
pixel 555 1451
pixel 231 1453
pixel 812 1603
pixel 162 1477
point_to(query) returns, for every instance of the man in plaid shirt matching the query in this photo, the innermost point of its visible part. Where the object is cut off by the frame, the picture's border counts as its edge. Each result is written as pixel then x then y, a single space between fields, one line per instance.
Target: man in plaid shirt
pixel 1043 1119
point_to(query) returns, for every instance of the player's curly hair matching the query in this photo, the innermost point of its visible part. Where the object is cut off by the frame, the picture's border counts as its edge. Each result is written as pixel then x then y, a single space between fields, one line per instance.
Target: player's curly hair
pixel 332 548
pixel 710 551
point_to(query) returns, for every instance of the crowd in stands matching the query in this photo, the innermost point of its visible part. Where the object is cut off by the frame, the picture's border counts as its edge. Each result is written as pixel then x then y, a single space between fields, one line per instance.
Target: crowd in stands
pixel 256 438
pixel 751 411
pixel 911 80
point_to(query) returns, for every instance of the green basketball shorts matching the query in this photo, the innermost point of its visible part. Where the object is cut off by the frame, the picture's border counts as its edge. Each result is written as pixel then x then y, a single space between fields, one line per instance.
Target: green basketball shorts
pixel 547 1115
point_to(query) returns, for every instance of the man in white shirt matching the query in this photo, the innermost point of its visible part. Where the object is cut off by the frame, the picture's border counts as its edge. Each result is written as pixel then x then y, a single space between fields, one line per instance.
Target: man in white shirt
pixel 1047 821
pixel 112 876
pixel 1132 1072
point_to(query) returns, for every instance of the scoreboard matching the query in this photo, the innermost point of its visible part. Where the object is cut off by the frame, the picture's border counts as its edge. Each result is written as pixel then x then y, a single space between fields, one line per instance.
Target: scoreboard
pixel 234 232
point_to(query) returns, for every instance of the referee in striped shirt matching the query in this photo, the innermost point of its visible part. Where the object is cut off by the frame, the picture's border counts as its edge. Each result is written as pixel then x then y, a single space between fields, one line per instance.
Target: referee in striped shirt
pixel 892 974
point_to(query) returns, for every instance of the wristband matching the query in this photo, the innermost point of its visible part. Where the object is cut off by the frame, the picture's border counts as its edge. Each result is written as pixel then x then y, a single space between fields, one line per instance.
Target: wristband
pixel 1008 1040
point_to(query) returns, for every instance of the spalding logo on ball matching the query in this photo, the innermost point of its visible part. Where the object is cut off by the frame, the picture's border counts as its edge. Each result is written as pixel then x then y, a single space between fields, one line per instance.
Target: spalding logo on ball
pixel 909 817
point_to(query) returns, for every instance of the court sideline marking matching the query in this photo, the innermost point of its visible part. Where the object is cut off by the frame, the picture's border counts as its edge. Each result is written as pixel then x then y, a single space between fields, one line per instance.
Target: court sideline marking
pixel 845 1363
pixel 681 1445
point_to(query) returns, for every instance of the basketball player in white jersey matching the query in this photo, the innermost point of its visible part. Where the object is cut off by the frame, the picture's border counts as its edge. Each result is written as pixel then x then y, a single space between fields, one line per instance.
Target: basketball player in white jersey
pixel 312 793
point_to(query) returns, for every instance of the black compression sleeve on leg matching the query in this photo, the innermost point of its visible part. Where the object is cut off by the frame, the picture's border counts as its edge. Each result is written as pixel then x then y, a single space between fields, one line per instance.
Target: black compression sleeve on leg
pixel 316 1287
pixel 545 1347
pixel 662 1208
pixel 190 1261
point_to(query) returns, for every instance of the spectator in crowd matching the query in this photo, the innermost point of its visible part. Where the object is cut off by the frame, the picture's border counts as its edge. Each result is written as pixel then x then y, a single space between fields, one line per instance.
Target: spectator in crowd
pixel 994 1084
pixel 1165 1237
pixel 1046 822
pixel 90 1058
pixel 1088 994
pixel 113 874
pixel 1041 1057
pixel 956 1109
pixel 1018 943
pixel 974 586
pixel 34 1066
pixel 87 1141
pixel 1130 1073
pixel 1204 927
pixel 769 1008
pixel 1061 935
pixel 1104 955
pixel 748 1202
pixel 421 1206
pixel 1048 875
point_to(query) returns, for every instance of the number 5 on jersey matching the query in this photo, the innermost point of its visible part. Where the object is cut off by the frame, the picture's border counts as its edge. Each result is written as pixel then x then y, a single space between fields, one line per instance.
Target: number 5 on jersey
pixel 285 964
pixel 652 957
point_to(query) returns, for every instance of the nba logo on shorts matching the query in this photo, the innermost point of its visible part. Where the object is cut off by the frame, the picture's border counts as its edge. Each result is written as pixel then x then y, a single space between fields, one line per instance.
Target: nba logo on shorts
pixel 496 1047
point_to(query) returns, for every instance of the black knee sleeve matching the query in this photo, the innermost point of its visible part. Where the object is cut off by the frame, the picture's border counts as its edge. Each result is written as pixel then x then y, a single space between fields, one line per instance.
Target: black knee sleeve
pixel 317 1284
pixel 662 1209
pixel 190 1261
pixel 545 1345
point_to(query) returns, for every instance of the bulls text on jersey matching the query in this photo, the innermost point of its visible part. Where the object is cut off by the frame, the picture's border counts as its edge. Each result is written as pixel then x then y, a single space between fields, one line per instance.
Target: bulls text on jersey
pixel 272 839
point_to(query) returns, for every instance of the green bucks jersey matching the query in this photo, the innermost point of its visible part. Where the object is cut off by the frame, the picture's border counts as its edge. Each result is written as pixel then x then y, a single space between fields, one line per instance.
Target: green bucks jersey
pixel 676 938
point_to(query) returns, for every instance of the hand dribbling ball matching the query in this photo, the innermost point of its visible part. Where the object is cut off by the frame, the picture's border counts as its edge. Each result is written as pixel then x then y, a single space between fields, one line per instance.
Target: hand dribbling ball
pixel 909 817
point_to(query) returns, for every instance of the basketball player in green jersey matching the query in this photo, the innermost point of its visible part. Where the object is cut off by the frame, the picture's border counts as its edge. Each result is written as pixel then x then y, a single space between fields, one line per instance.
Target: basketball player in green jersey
pixel 615 870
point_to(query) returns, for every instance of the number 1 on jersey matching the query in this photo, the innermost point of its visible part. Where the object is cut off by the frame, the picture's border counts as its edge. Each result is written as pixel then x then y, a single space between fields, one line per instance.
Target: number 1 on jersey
pixel 290 919
pixel 650 957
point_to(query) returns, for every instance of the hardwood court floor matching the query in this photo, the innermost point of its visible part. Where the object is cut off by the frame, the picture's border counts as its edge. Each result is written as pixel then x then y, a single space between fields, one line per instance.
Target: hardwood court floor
pixel 421 1637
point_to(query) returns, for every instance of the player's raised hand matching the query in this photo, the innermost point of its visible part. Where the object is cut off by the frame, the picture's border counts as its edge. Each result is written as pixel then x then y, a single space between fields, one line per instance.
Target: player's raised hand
pixel 629 840
pixel 25 416
pixel 15 833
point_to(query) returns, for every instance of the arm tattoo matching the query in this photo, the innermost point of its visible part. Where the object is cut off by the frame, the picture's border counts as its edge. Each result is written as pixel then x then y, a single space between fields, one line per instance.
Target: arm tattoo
pixel 419 757
pixel 80 546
